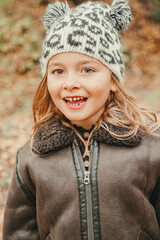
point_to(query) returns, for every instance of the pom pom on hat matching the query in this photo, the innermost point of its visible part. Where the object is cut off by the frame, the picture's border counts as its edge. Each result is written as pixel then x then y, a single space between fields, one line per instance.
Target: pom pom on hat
pixel 120 14
pixel 54 11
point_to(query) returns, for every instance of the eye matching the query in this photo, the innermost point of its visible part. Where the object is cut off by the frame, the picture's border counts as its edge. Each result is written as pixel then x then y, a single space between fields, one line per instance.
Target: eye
pixel 58 72
pixel 87 70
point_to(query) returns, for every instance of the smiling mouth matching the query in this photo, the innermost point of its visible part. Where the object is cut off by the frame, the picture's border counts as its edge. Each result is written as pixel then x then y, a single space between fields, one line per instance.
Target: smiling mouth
pixel 75 101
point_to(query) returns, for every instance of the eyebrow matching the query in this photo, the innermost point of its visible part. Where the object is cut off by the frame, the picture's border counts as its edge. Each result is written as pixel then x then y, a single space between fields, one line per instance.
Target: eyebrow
pixel 54 64
pixel 90 62
pixel 83 62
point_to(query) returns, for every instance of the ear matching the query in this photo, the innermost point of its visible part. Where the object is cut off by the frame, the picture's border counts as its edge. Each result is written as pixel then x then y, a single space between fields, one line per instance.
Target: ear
pixel 114 87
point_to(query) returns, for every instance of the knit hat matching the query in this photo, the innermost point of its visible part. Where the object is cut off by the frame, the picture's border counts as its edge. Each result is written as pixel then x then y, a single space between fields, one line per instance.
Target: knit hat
pixel 90 28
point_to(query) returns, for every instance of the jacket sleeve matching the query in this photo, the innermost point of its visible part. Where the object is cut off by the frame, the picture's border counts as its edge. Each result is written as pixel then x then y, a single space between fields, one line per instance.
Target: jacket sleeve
pixel 157 204
pixel 20 212
pixel 155 200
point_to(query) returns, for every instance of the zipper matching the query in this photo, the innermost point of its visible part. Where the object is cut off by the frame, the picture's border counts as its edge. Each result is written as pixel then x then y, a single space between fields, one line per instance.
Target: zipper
pixel 86 177
pixel 87 182
pixel 89 212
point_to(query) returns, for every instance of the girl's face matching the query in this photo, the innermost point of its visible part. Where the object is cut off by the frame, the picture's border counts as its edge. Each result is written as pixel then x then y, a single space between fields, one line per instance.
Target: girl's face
pixel 79 86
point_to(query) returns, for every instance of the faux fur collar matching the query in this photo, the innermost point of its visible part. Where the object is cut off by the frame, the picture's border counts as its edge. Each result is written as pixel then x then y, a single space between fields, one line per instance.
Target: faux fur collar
pixel 55 136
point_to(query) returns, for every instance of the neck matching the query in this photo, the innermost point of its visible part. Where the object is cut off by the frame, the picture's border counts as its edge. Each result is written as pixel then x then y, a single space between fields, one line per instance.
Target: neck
pixel 85 125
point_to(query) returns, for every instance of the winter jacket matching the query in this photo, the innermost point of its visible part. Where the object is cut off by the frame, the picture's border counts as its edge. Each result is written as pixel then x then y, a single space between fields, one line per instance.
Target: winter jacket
pixel 49 199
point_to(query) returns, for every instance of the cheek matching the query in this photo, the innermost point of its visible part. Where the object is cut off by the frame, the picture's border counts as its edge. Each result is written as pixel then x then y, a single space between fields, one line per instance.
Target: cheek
pixel 52 87
pixel 102 89
pixel 102 94
pixel 49 84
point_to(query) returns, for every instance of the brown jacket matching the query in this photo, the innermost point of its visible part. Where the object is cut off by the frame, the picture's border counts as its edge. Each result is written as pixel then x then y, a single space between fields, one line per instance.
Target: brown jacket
pixel 48 199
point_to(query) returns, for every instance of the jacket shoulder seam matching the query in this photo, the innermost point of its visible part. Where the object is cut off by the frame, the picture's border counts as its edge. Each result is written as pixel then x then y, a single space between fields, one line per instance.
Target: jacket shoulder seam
pixel 21 181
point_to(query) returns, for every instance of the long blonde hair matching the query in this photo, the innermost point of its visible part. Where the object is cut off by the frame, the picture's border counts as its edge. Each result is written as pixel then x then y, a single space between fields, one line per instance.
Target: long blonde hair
pixel 121 110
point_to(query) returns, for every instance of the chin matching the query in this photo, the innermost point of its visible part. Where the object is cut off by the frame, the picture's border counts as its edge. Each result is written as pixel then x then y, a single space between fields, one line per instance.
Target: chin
pixel 77 119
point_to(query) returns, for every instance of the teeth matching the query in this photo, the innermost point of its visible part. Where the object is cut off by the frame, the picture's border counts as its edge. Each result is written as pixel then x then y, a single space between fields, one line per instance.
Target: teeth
pixel 74 99
pixel 75 104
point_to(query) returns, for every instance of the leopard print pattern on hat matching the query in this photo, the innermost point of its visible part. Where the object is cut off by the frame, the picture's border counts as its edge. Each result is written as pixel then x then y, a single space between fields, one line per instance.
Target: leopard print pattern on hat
pixel 88 29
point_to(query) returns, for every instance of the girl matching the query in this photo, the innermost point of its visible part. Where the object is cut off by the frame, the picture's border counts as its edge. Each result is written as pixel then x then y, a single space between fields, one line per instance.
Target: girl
pixel 92 168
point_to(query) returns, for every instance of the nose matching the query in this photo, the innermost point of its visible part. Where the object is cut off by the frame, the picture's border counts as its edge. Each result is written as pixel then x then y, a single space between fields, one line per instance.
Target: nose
pixel 71 82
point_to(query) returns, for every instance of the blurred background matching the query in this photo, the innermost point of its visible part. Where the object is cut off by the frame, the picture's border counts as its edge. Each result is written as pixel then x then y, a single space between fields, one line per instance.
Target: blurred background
pixel 21 35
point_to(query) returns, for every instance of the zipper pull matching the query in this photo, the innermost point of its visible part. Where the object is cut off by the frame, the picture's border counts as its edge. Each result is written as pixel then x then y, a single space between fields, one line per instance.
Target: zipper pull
pixel 86 177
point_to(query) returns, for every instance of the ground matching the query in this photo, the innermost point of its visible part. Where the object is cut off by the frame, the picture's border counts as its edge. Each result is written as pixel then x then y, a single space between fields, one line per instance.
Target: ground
pixel 21 35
